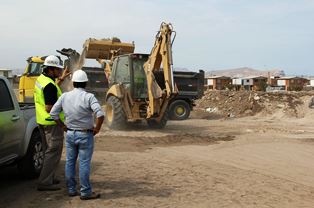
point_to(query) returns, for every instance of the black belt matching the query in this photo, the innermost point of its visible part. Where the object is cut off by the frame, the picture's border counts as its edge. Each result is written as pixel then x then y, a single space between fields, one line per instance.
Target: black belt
pixel 82 130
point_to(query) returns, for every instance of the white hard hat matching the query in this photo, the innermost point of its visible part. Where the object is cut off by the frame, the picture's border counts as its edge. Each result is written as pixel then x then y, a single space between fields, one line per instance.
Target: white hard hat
pixel 79 76
pixel 53 61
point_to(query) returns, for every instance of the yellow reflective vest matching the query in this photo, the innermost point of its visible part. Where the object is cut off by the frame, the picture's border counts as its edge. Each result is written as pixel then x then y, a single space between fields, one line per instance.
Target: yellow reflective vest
pixel 42 116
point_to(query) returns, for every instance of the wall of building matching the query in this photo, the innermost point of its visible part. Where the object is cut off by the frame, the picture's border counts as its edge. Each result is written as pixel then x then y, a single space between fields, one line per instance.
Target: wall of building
pixel 247 82
pixel 237 81
pixel 259 84
pixel 6 73
pixel 221 84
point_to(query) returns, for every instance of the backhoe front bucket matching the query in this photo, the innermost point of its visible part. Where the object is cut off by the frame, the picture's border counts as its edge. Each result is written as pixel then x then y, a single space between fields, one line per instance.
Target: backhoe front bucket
pixel 105 48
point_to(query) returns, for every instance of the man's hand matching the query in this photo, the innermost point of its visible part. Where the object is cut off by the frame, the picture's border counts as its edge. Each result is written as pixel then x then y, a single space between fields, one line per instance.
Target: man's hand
pixel 48 108
pixel 61 124
pixel 64 127
pixel 95 131
pixel 66 72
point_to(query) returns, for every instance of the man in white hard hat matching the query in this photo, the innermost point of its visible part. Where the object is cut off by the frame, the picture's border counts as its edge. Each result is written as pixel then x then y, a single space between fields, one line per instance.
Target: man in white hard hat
pixel 79 107
pixel 46 93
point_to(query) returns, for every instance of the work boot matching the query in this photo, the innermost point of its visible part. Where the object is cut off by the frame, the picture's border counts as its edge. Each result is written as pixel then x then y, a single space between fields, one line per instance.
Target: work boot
pixel 89 197
pixel 72 194
pixel 56 181
pixel 52 187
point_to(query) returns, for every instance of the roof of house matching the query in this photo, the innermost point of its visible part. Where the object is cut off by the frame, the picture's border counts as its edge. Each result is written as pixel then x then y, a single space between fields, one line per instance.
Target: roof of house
pixel 251 77
pixel 5 69
pixel 291 77
pixel 255 77
pixel 217 77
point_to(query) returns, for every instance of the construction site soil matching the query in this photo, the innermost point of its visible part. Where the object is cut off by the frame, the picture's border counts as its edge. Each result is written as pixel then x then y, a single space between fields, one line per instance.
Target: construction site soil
pixel 249 103
pixel 238 149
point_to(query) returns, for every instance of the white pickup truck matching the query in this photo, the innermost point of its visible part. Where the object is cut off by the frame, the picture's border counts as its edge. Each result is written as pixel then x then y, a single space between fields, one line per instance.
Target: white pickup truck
pixel 20 140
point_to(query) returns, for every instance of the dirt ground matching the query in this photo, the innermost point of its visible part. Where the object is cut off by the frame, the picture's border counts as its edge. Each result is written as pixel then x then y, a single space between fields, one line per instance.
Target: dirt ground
pixel 265 160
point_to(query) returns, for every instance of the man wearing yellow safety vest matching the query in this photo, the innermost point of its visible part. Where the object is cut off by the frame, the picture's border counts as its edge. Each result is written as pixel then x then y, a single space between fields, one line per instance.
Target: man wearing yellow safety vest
pixel 46 94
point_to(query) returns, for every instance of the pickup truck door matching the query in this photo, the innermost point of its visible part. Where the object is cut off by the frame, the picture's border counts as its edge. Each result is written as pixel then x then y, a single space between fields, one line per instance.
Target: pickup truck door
pixel 11 124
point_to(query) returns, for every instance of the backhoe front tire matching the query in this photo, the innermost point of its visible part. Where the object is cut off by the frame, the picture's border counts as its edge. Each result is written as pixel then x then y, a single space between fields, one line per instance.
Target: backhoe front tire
pixel 152 123
pixel 115 116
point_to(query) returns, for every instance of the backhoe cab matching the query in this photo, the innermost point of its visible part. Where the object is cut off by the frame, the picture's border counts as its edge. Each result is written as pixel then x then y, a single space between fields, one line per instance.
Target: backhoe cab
pixel 138 89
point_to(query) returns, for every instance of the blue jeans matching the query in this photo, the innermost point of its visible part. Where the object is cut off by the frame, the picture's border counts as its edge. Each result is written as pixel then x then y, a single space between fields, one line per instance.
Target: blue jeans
pixel 79 144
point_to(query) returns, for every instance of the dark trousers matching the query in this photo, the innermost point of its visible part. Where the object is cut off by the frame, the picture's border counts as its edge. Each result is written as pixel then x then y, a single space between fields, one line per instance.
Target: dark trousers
pixel 53 142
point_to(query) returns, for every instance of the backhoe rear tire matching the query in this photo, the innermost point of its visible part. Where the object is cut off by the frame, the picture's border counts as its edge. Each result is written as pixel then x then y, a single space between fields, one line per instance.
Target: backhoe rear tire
pixel 152 123
pixel 115 116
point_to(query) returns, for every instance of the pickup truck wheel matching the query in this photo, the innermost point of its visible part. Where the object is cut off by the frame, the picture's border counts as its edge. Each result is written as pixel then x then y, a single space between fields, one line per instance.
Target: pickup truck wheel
pixel 179 110
pixel 158 125
pixel 30 166
pixel 115 117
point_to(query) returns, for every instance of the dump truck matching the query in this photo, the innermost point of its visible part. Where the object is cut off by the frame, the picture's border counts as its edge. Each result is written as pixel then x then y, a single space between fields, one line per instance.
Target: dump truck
pixel 27 80
pixel 138 89
pixel 98 83
pixel 191 87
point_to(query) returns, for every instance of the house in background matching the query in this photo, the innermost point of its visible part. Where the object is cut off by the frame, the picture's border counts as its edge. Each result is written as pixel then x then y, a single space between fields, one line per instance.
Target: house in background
pixel 218 82
pixel 311 81
pixel 255 83
pixel 237 83
pixel 7 73
pixel 293 83
pixel 272 81
pixel 259 83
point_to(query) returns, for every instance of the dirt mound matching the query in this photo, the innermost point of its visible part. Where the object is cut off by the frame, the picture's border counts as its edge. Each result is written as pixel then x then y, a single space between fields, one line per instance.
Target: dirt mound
pixel 249 103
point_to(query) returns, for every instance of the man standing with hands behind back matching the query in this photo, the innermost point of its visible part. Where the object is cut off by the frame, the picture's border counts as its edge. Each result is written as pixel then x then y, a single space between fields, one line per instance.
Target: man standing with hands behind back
pixel 78 107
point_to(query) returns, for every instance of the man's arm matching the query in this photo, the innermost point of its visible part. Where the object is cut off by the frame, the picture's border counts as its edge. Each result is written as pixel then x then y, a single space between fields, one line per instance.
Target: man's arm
pixel 100 116
pixel 99 121
pixel 55 111
pixel 50 96
pixel 66 72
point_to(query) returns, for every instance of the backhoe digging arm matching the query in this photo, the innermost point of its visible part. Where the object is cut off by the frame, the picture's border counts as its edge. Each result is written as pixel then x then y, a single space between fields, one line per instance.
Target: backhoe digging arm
pixel 160 54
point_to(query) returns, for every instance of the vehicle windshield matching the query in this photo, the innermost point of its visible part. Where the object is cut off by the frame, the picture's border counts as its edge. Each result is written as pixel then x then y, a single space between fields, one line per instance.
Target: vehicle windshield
pixel 34 68
pixel 140 83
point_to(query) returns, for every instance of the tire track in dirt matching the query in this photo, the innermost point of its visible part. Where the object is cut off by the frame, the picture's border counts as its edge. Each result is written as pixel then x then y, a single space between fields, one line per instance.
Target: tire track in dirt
pixel 127 143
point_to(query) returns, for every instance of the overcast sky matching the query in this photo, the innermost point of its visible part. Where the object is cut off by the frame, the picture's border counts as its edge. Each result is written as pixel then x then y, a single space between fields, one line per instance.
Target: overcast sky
pixel 211 34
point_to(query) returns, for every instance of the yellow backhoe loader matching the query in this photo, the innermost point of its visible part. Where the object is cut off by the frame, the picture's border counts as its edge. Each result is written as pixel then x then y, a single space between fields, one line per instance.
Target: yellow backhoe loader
pixel 138 88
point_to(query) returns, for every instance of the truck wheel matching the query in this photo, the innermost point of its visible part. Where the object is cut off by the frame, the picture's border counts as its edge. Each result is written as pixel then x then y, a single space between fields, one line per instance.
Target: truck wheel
pixel 31 164
pixel 115 117
pixel 179 110
pixel 158 125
